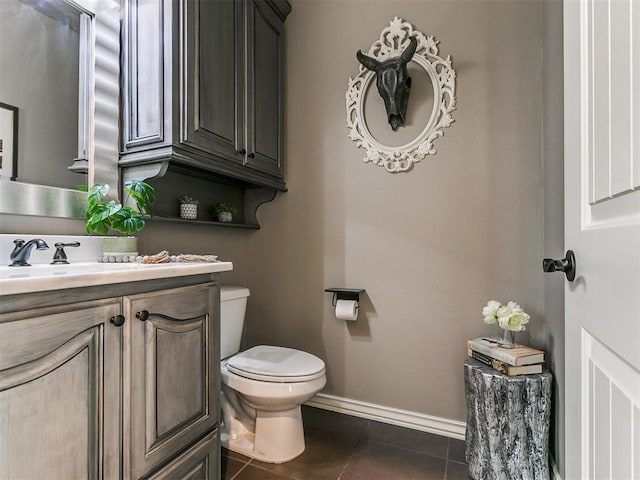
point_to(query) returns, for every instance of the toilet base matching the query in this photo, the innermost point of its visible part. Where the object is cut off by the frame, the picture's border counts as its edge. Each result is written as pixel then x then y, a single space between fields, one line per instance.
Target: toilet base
pixel 278 437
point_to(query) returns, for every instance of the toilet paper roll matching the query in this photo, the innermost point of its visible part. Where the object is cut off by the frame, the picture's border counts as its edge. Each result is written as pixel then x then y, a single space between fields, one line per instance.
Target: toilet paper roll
pixel 347 309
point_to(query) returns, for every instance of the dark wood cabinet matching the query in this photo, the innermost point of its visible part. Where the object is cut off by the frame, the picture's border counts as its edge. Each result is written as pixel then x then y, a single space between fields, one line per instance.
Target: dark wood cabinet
pixel 203 89
pixel 264 88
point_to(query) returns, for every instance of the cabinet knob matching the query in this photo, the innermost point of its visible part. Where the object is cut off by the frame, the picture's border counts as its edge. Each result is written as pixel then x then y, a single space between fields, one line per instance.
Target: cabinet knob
pixel 143 315
pixel 241 152
pixel 117 320
pixel 252 155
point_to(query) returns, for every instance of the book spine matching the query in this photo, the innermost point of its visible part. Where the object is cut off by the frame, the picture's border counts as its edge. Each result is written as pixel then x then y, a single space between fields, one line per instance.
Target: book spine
pixel 487 360
pixel 491 352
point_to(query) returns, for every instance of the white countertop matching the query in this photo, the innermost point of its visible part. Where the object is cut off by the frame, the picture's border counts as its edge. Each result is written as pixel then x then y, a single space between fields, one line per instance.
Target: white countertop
pixel 83 270
pixel 40 278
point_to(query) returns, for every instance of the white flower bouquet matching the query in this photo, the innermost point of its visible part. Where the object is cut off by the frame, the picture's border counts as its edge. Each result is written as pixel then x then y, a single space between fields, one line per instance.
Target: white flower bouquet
pixel 510 317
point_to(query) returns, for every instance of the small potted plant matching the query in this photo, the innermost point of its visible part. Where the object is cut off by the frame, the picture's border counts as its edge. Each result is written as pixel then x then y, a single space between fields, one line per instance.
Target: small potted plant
pixel 223 212
pixel 105 215
pixel 188 208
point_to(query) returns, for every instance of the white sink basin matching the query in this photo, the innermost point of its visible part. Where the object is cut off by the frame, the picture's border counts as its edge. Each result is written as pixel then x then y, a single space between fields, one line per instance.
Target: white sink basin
pixel 39 278
pixel 57 270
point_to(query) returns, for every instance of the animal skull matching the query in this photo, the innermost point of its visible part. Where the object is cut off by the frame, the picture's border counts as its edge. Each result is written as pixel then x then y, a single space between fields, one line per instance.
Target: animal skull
pixel 393 82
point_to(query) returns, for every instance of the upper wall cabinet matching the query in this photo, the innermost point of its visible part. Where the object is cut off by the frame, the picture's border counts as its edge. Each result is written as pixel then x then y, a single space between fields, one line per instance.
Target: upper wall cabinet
pixel 203 87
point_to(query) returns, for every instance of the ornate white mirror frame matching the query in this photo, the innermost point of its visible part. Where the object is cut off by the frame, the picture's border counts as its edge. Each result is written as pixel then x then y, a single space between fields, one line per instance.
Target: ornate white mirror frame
pixel 393 40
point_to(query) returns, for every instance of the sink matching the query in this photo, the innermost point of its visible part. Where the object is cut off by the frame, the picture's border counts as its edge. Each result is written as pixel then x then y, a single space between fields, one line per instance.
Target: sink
pixel 35 271
pixel 83 269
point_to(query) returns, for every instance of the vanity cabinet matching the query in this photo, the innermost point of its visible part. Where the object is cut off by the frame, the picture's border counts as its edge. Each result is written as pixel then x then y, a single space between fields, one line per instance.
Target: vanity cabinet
pixel 60 392
pixel 172 379
pixel 122 387
pixel 203 88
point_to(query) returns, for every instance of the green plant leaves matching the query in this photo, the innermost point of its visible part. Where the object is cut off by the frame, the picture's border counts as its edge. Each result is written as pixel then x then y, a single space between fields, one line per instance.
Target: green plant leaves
pixel 142 194
pixel 127 221
pixel 102 216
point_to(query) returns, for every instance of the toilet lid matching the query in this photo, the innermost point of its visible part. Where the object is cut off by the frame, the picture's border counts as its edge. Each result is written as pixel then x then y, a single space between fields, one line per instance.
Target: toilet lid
pixel 276 364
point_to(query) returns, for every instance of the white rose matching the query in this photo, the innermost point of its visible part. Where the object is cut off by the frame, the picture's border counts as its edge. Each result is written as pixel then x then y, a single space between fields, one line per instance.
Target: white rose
pixel 512 317
pixel 490 311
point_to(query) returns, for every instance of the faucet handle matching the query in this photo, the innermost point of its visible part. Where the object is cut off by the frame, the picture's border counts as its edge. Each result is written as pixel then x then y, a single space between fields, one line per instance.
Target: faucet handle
pixel 60 257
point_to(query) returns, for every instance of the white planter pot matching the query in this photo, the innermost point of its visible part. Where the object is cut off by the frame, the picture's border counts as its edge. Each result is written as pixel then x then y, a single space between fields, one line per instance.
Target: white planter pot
pixel 120 246
pixel 225 217
pixel 189 211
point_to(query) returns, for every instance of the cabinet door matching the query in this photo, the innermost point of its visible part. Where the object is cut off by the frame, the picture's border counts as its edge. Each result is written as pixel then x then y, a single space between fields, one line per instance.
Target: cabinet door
pixel 146 74
pixel 264 88
pixel 213 70
pixel 200 462
pixel 173 360
pixel 60 393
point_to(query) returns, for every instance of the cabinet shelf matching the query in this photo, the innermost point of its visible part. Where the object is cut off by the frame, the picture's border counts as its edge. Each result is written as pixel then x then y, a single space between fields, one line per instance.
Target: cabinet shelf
pixel 208 223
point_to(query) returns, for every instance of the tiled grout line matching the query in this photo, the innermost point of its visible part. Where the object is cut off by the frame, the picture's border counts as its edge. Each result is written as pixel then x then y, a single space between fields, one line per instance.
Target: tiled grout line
pixel 241 469
pixel 362 436
pixel 446 459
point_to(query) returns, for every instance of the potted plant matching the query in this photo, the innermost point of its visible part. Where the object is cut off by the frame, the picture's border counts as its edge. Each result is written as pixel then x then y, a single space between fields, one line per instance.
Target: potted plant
pixel 223 212
pixel 105 215
pixel 188 208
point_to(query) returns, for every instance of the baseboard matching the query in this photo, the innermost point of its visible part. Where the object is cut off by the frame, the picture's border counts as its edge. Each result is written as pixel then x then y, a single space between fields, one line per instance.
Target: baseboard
pixel 402 418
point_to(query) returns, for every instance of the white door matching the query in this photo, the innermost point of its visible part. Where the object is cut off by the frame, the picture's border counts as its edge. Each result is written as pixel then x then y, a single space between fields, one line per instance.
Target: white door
pixel 602 226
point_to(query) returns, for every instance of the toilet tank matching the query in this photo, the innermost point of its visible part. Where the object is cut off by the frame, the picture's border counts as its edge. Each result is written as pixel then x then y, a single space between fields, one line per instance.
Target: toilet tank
pixel 233 305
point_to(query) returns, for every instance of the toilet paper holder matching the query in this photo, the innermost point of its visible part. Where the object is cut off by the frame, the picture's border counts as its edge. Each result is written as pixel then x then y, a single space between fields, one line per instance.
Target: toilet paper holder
pixel 345 294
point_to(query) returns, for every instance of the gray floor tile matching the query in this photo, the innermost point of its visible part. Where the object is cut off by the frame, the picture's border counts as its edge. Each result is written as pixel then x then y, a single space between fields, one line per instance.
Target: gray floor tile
pixel 456 450
pixel 384 462
pixel 333 421
pixel 237 456
pixel 414 440
pixel 255 473
pixel 457 471
pixel 229 467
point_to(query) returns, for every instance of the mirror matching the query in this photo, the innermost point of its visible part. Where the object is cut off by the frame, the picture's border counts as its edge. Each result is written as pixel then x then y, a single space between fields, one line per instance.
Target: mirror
pixel 430 105
pixel 60 63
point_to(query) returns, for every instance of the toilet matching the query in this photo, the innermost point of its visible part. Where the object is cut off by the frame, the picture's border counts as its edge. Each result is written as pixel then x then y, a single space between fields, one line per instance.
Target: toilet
pixel 262 389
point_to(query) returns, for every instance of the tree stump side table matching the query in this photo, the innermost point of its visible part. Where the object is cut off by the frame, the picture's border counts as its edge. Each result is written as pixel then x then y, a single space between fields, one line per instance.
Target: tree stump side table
pixel 507 436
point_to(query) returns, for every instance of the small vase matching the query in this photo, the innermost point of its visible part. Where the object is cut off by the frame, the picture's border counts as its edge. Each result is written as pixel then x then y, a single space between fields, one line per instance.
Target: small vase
pixel 225 217
pixel 189 211
pixel 507 339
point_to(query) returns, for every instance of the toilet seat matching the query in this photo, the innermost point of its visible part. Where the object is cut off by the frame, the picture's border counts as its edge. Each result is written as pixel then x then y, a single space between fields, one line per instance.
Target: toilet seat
pixel 276 364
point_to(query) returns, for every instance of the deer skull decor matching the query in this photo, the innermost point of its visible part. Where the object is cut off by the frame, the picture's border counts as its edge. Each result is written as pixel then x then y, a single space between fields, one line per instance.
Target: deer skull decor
pixel 393 82
pixel 387 61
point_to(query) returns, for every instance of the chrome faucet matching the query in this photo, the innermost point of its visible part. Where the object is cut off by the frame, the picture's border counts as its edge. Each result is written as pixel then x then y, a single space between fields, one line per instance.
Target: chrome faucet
pixel 22 250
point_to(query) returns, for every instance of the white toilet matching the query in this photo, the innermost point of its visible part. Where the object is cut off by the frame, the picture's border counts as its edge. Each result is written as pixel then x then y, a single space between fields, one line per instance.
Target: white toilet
pixel 262 389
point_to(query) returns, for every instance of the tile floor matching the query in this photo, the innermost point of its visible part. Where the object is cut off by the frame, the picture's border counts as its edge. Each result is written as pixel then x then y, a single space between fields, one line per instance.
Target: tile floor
pixel 342 447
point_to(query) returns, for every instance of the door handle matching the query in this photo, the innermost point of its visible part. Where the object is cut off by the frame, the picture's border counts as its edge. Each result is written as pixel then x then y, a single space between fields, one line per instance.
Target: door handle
pixel 566 265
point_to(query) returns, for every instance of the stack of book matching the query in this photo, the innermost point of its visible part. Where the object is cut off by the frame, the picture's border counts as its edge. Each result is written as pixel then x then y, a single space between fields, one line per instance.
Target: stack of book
pixel 519 360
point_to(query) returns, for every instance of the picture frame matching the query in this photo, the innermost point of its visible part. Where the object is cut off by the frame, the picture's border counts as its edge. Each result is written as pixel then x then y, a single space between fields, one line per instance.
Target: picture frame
pixel 392 42
pixel 8 142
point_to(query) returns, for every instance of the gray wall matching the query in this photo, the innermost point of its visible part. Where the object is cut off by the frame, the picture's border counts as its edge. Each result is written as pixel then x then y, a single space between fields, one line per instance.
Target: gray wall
pixel 553 167
pixel 430 246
